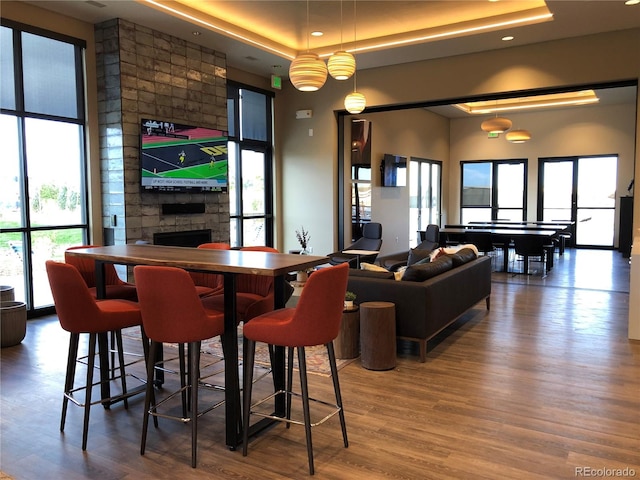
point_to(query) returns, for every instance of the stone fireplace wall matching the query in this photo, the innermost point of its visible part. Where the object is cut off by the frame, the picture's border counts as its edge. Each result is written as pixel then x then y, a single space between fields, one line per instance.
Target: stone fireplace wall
pixel 144 73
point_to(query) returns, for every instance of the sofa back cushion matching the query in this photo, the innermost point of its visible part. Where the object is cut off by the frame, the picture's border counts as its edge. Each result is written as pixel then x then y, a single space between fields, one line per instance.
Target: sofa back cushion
pixel 418 255
pixel 425 271
pixel 463 256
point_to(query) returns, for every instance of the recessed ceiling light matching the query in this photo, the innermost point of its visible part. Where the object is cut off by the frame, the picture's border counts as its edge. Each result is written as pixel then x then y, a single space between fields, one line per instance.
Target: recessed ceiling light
pixel 508 38
pixel 632 2
pixel 196 33
pixel 317 33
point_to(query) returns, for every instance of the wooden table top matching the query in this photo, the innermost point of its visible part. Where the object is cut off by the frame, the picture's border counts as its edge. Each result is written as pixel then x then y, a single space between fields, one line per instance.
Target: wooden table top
pixel 499 231
pixel 222 261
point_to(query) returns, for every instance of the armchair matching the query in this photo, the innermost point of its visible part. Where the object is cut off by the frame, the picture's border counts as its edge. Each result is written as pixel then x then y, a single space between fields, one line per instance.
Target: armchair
pixel 371 240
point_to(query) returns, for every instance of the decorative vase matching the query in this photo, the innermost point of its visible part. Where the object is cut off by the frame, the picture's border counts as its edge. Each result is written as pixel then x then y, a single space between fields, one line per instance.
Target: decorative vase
pixel 306 251
pixel 348 304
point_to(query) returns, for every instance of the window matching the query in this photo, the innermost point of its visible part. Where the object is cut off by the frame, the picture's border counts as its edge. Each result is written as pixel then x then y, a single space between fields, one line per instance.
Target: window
pixel 43 203
pixel 493 190
pixel 425 183
pixel 250 166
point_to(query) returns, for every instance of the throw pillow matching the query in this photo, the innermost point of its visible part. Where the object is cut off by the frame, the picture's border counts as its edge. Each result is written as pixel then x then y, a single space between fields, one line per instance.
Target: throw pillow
pixel 399 273
pixel 416 255
pixel 372 267
pixel 425 271
pixel 462 256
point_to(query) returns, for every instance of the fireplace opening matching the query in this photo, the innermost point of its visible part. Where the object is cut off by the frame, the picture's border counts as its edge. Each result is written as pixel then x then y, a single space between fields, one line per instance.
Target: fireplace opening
pixel 187 238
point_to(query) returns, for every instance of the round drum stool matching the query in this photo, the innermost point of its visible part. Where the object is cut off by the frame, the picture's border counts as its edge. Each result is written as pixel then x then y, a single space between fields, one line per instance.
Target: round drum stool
pixel 378 335
pixel 347 343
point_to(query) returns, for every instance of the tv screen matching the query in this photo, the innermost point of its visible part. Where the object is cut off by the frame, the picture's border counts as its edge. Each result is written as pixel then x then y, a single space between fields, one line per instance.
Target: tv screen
pixel 394 171
pixel 182 158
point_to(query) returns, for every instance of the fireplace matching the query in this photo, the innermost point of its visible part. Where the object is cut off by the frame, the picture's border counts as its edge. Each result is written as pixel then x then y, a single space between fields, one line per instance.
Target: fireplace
pixel 187 238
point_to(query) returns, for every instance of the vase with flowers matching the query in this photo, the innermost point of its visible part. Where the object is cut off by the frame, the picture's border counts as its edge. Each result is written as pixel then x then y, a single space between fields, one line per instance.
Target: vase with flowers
pixel 303 239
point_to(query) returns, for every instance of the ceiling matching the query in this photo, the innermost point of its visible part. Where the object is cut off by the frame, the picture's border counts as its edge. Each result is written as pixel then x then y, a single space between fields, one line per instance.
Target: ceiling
pixel 263 36
pixel 282 25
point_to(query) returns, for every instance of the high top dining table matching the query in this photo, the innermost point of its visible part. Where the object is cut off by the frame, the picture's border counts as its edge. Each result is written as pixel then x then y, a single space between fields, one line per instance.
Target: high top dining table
pixel 229 263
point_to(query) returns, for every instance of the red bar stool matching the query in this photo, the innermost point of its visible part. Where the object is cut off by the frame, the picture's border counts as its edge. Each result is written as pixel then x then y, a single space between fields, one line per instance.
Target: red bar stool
pixel 172 312
pixel 115 287
pixel 314 321
pixel 80 313
pixel 208 284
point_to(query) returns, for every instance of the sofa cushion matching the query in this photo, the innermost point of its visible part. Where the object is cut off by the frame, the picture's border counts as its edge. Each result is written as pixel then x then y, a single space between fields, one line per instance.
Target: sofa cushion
pixel 463 256
pixel 385 275
pixel 417 255
pixel 425 271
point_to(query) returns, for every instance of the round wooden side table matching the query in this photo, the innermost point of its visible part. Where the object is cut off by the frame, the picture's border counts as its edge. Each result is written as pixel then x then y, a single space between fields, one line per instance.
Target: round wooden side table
pixel 378 335
pixel 347 343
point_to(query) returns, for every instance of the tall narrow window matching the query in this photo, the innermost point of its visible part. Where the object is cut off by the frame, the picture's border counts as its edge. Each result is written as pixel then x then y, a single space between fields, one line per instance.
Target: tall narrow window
pixel 43 203
pixel 425 183
pixel 250 165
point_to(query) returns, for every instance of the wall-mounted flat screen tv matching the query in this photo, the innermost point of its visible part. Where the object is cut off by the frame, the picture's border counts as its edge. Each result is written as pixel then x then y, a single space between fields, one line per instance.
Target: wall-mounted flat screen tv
pixel 394 171
pixel 182 158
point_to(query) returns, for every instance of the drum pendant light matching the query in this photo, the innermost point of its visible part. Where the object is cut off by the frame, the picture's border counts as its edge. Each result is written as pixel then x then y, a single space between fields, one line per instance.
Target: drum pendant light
pixel 307 72
pixel 496 125
pixel 342 64
pixel 355 102
pixel 518 136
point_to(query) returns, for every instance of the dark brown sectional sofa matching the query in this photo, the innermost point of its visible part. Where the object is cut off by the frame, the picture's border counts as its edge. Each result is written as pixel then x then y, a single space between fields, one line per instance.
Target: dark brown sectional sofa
pixel 425 307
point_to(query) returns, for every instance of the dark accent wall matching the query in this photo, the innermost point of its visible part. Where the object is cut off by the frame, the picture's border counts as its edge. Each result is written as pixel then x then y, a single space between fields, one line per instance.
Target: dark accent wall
pixel 143 73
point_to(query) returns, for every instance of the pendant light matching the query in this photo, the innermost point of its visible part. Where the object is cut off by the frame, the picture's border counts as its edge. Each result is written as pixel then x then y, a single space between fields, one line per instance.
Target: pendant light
pixel 496 125
pixel 342 64
pixel 518 136
pixel 355 102
pixel 307 72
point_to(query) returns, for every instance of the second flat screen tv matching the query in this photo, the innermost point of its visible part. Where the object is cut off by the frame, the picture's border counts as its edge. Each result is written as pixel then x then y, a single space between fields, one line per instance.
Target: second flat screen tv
pixel 182 158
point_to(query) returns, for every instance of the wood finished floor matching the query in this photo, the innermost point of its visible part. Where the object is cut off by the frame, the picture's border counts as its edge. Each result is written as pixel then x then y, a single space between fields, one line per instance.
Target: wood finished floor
pixel 544 383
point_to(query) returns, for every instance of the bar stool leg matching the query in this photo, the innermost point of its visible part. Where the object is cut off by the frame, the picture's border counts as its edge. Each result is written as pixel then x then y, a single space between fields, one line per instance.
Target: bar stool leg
pixel 336 389
pixel 87 400
pixel 302 364
pixel 249 349
pixel 71 373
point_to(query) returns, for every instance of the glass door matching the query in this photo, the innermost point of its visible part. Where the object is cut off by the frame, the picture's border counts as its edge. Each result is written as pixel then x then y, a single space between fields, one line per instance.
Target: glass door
pixel 583 190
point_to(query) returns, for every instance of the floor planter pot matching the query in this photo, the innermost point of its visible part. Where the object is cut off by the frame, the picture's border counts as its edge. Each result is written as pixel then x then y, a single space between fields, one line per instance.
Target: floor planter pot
pixel 6 293
pixel 13 323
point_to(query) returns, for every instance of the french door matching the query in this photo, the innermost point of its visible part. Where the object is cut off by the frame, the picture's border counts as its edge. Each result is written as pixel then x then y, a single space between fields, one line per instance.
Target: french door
pixel 582 190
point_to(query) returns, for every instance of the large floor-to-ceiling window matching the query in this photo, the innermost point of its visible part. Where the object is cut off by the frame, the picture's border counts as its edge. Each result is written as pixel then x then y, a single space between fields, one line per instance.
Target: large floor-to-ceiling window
pixel 250 165
pixel 43 202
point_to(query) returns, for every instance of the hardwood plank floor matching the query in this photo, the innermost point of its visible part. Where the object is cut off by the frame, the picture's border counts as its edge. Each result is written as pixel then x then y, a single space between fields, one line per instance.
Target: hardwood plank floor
pixel 543 384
